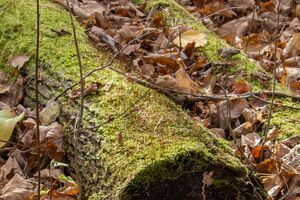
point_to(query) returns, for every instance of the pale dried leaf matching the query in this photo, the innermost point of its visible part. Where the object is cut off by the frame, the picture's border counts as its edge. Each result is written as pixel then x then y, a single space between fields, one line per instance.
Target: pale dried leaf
pixel 8 121
pixel 18 61
pixel 191 36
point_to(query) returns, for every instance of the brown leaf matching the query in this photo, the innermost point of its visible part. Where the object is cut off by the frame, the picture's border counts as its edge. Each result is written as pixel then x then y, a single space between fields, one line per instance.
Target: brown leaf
pixel 14 94
pixel 147 70
pixel 267 6
pixel 97 33
pixel 293 46
pixel 166 81
pixel 49 113
pixel 158 20
pixel 131 48
pixel 167 64
pixel 241 86
pixel 102 20
pixel 234 28
pixel 273 134
pixel 17 189
pixel 236 107
pixel 51 138
pixel 184 83
pixel 128 33
pixel 292 141
pixel 267 166
pixel 293 158
pixel 94 87
pixel 243 129
pixel 18 61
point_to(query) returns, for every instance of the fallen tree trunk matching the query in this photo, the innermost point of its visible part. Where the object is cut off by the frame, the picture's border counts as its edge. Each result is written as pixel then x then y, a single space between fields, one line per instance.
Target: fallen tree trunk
pixel 153 151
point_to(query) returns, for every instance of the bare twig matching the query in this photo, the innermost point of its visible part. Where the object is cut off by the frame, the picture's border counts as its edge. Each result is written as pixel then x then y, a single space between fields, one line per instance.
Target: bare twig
pixel 37 95
pixel 274 75
pixel 78 120
pixel 192 97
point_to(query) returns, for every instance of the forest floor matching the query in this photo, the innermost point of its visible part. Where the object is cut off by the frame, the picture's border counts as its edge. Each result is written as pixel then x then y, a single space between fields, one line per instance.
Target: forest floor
pixel 253 103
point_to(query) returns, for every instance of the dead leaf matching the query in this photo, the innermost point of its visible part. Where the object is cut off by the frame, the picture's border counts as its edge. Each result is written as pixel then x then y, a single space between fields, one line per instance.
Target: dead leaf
pixel 18 61
pixel 293 158
pixel 228 52
pixel 14 95
pixel 191 36
pixel 166 81
pixel 17 189
pixel 131 48
pixel 241 86
pixel 273 134
pixel 147 70
pixel 243 129
pixel 94 87
pixel 50 113
pixel 292 141
pixel 8 121
pixel 184 83
pixel 51 138
pixel 293 46
pixel 158 20
pixel 267 166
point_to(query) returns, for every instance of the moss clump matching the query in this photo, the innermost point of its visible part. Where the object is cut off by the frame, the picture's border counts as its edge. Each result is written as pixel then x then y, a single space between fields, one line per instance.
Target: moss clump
pixel 126 152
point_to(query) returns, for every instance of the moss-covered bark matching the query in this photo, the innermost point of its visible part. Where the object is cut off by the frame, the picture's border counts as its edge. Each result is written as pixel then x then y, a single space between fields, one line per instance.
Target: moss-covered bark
pixel 125 159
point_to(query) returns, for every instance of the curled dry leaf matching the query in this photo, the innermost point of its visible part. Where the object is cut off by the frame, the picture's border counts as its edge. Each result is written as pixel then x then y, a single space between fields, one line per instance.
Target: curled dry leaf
pixel 243 129
pixel 184 83
pixel 18 61
pixel 241 86
pixel 236 107
pixel 94 87
pixel 99 34
pixel 273 134
pixel 14 93
pixel 293 46
pixel 51 138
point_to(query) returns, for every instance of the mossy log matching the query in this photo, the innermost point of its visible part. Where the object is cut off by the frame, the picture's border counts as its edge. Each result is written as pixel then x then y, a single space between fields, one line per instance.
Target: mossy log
pixel 154 151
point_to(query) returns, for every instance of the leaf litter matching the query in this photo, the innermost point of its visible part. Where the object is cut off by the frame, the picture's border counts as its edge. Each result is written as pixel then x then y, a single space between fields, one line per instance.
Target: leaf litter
pixel 170 57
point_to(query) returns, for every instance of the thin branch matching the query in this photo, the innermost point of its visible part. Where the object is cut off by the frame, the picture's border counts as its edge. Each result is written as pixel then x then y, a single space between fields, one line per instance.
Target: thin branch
pixel 274 75
pixel 79 117
pixel 191 97
pixel 37 95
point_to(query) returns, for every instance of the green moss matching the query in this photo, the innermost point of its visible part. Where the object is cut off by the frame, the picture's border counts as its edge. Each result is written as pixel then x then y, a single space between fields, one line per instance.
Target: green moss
pixel 126 151
pixel 288 121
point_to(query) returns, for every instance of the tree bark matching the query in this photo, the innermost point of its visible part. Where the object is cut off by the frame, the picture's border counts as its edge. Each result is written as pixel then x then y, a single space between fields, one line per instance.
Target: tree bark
pixel 153 151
